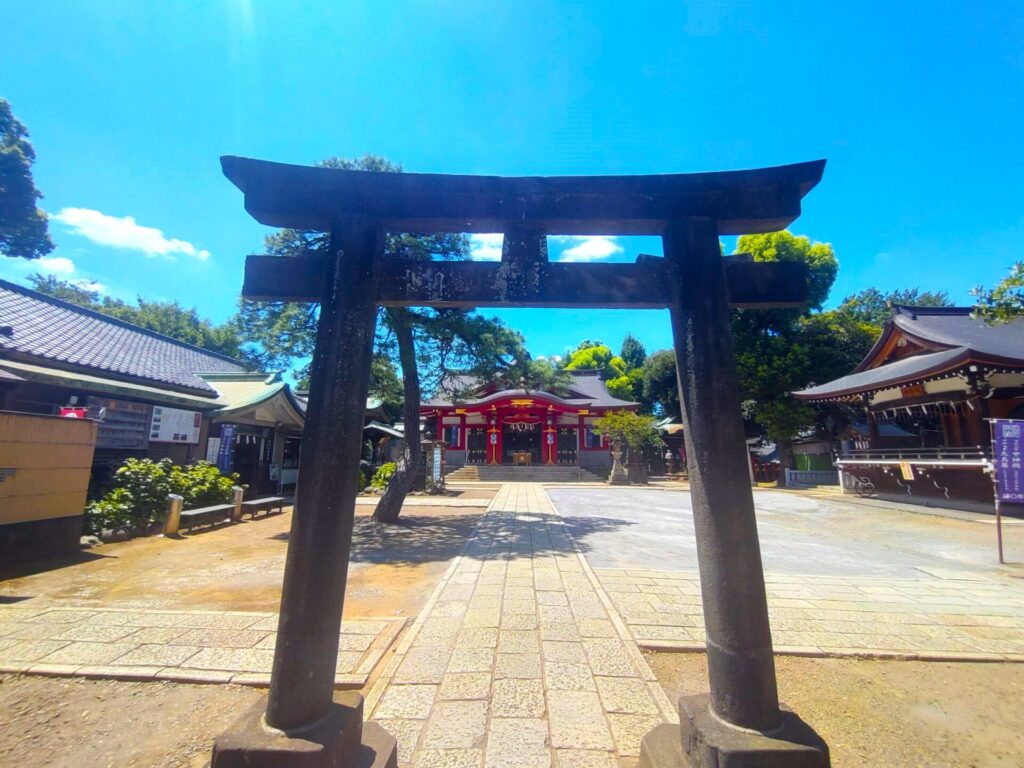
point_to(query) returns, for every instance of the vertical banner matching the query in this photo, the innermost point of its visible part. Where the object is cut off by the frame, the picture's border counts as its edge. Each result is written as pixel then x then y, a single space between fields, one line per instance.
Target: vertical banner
pixel 1007 455
pixel 226 450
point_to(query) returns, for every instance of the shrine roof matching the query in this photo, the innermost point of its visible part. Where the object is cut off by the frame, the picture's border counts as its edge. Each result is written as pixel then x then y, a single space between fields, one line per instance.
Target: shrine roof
pixel 315 197
pixel 585 390
pixel 950 338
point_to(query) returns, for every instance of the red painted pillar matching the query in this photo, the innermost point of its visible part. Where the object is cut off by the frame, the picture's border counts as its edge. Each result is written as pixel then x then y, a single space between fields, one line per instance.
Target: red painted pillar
pixel 439 432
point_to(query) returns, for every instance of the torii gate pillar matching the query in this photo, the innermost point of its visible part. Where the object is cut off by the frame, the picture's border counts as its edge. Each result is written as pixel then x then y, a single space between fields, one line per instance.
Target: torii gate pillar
pixel 739 724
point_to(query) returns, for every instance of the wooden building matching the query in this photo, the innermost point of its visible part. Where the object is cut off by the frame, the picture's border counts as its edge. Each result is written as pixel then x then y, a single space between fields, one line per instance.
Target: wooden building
pixel 927 388
pixel 491 424
pixel 151 396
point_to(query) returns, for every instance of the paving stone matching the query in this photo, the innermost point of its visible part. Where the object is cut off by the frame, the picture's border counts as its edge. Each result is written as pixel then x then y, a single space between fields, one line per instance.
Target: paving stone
pixel 625 695
pixel 220 638
pixel 556 598
pixel 471 660
pixel 517 698
pixel 407 702
pixel 562 676
pixel 519 606
pixel 608 658
pixel 217 620
pixel 449 758
pixel 465 685
pixel 517 742
pixel 456 725
pixel 407 732
pixel 102 633
pixel 87 652
pixel 577 721
pixel 556 650
pixel 60 616
pixel 566 632
pixel 627 730
pixel 423 664
pixel 348 661
pixel 518 641
pixel 477 637
pixel 157 655
pixel 33 650
pixel 552 614
pixel 233 659
pixel 517 665
pixel 519 621
pixel 483 617
pixel 345 642
pixel 585 758
pixel 154 634
pixel 596 628
pixel 33 631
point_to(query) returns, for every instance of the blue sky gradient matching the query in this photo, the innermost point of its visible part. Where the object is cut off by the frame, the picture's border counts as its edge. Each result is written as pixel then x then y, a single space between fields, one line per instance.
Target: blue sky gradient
pixel 129 104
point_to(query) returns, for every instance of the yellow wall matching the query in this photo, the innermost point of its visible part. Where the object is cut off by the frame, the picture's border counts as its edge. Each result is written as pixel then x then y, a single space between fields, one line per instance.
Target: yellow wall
pixel 51 458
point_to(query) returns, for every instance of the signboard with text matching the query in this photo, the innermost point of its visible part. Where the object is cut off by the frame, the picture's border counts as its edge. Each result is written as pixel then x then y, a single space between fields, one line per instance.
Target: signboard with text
pixel 1008 459
pixel 173 425
pixel 226 448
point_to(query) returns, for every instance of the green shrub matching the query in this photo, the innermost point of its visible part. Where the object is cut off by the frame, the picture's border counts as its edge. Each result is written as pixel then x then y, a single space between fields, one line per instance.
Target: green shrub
pixel 109 513
pixel 361 483
pixel 383 474
pixel 141 486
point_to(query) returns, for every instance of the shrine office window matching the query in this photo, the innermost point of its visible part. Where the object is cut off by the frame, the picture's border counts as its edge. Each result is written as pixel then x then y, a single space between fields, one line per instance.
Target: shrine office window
pixel 591 439
pixel 451 436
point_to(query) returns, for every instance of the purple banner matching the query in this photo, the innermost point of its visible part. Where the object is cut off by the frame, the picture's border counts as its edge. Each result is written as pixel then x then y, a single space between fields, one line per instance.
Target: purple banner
pixel 1008 457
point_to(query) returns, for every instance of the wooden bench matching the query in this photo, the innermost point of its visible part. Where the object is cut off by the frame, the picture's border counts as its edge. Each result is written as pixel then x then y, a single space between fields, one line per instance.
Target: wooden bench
pixel 212 515
pixel 268 505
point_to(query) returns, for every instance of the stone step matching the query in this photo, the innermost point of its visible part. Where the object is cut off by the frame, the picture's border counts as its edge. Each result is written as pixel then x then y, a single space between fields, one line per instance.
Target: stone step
pixel 506 473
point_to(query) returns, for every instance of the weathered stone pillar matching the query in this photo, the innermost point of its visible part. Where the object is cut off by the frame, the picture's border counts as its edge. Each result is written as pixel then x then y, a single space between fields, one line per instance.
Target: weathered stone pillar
pixel 742 715
pixel 303 714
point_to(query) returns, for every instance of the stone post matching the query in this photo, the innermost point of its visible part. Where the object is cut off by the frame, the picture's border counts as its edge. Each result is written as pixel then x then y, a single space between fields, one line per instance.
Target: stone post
pixel 741 716
pixel 173 520
pixel 237 494
pixel 618 474
pixel 303 714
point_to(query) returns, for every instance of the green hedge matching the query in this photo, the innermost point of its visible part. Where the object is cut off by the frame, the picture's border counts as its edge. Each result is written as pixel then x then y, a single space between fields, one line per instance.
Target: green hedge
pixel 383 474
pixel 141 486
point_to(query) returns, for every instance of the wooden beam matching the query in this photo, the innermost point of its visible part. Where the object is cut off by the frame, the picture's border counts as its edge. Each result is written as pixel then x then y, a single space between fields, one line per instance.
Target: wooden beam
pixel 643 285
pixel 314 198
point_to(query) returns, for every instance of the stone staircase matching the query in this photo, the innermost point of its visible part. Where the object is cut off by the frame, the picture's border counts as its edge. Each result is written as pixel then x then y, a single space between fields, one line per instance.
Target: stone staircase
pixel 503 473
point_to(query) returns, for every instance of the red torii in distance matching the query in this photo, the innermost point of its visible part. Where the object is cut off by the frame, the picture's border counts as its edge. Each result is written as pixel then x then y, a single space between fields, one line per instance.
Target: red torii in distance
pixel 740 719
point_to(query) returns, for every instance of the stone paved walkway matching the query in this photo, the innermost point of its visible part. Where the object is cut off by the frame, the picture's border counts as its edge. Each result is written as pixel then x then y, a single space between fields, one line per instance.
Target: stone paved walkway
pixel 941 616
pixel 518 659
pixel 183 646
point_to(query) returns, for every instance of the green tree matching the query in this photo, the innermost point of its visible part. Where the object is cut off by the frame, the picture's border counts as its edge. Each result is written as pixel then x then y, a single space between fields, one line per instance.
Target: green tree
pixel 772 357
pixel 427 344
pixel 596 357
pixel 660 385
pixel 1005 302
pixel 634 432
pixel 633 352
pixel 874 307
pixel 166 317
pixel 23 226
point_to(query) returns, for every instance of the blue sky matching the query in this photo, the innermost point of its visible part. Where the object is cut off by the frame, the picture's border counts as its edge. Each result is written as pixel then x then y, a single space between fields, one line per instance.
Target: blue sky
pixel 130 105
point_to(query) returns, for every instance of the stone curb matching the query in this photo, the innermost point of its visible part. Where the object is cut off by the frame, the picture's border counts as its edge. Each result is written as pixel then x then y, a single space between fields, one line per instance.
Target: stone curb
pixel 669 646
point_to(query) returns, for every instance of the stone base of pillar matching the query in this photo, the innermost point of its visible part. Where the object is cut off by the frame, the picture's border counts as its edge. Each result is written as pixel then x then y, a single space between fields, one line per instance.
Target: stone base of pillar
pixel 339 740
pixel 703 741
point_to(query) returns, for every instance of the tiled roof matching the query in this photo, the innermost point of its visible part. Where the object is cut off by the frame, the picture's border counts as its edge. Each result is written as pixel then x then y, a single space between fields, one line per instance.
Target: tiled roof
pixel 43 328
pixel 585 389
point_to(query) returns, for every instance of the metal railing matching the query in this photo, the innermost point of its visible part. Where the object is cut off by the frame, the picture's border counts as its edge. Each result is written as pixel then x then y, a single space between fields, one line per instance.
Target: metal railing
pixel 957 453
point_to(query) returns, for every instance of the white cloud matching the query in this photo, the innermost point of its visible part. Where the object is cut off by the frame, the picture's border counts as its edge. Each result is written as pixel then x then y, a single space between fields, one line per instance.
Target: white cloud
pixel 588 247
pixel 126 233
pixel 485 247
pixel 56 265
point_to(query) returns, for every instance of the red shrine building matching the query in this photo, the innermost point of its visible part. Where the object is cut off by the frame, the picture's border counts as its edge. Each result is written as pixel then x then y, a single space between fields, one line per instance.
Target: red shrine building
pixel 488 424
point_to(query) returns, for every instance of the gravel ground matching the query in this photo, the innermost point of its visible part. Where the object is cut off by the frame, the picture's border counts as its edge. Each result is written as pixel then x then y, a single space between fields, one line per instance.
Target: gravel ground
pixel 890 713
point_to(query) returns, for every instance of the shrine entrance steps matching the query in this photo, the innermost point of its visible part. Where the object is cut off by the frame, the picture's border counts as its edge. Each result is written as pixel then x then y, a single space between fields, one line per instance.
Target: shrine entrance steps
pixel 503 473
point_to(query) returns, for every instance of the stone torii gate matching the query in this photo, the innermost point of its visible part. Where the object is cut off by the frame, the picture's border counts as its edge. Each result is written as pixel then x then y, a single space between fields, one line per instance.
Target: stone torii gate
pixel 740 723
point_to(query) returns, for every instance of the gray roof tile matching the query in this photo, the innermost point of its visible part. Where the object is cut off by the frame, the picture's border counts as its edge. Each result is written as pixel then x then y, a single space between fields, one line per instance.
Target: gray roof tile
pixel 56 331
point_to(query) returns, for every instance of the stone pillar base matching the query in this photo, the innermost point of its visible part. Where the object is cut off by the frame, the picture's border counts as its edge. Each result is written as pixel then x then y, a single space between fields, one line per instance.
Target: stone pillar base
pixel 703 741
pixel 339 740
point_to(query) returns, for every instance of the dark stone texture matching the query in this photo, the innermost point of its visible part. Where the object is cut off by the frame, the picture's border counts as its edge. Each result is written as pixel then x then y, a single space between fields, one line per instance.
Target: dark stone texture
pixel 704 741
pixel 314 198
pixel 39 539
pixel 302 683
pixel 739 645
pixel 533 282
pixel 338 740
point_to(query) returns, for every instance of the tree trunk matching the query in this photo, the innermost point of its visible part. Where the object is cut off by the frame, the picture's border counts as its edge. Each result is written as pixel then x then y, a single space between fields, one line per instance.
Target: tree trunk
pixel 785 461
pixel 390 505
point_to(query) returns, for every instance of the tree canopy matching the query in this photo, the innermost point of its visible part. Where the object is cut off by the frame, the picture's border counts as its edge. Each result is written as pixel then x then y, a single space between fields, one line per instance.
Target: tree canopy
pixel 874 307
pixel 23 226
pixel 1005 301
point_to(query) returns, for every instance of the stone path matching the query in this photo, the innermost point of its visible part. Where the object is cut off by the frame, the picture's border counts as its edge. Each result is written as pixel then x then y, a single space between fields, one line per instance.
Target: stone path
pixel 518 658
pixel 183 646
pixel 944 615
